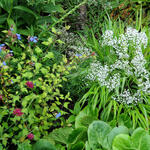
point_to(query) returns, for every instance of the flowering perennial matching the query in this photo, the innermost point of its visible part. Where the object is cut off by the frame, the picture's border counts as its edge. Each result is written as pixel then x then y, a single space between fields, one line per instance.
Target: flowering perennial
pixel 33 39
pixel 130 62
pixel 30 136
pixel 17 112
pixel 30 84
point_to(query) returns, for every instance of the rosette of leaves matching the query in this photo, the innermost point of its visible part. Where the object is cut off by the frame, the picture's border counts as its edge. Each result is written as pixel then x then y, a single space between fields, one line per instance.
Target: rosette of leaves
pixel 102 136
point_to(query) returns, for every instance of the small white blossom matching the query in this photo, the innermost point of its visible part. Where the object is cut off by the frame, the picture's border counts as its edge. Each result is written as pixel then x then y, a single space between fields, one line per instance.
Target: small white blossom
pixel 130 62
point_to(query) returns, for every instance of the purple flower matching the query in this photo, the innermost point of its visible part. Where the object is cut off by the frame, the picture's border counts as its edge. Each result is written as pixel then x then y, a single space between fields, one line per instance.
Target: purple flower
pixel 4 63
pixel 33 39
pixel 1 46
pixel 58 115
pixel 78 55
pixel 18 36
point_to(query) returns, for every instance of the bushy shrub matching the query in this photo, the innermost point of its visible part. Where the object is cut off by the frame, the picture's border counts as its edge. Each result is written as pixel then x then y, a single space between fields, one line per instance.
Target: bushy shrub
pixel 30 90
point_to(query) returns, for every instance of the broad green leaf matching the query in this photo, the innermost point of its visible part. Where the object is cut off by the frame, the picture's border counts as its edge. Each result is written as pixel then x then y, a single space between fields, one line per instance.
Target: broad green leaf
pixel 3 18
pixel 116 131
pixel 84 119
pixel 25 9
pixel 77 135
pixel 43 144
pixel 122 142
pixel 145 143
pixel 97 135
pixel 60 135
pixel 137 137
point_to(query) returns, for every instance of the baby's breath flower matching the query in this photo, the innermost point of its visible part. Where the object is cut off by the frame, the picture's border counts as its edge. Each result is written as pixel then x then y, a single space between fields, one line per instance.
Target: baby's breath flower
pixel 130 62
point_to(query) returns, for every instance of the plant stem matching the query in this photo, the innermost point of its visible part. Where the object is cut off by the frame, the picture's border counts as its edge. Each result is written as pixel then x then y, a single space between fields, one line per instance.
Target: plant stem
pixel 67 14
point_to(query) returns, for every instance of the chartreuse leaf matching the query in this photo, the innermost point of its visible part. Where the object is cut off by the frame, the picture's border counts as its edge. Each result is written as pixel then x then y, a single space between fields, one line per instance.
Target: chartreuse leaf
pixel 38 66
pixel 38 50
pixel 48 42
pixel 49 55
pixel 44 71
pixel 28 75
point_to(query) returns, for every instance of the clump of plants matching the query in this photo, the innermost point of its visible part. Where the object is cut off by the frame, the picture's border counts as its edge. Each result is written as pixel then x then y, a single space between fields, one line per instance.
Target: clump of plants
pixel 122 74
pixel 30 90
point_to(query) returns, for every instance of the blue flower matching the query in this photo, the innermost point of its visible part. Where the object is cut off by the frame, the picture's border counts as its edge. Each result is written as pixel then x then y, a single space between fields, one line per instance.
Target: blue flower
pixel 18 36
pixel 33 39
pixel 58 115
pixel 4 63
pixel 1 46
pixel 78 55
pixel 12 81
pixel 11 29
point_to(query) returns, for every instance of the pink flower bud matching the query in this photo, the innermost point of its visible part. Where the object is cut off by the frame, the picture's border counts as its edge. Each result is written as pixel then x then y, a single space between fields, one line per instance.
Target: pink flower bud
pixel 30 136
pixel 17 112
pixel 30 84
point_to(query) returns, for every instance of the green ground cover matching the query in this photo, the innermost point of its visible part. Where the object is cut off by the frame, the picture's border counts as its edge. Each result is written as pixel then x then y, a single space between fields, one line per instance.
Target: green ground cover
pixel 74 74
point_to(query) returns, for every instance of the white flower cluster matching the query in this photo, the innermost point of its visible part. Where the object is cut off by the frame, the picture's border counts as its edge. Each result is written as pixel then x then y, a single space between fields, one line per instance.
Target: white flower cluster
pixel 128 98
pixel 128 49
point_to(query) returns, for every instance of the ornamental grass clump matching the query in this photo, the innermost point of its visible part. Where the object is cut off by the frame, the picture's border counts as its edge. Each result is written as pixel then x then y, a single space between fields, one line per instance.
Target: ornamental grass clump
pixel 119 79
pixel 127 72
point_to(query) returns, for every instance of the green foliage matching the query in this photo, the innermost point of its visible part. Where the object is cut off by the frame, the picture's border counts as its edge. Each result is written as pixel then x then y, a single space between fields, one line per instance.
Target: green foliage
pixel 101 134
pixel 140 139
pixel 31 81
pixel 100 102
pixel 43 144
pixel 24 146
pixel 60 135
